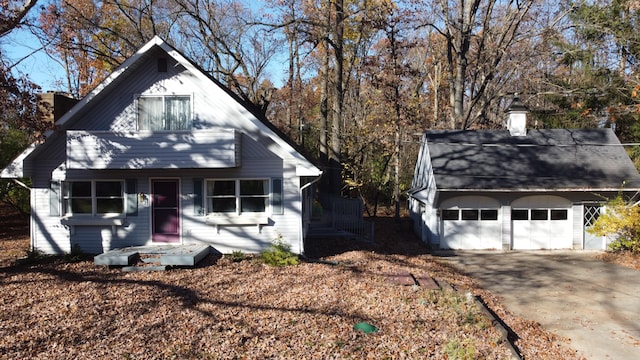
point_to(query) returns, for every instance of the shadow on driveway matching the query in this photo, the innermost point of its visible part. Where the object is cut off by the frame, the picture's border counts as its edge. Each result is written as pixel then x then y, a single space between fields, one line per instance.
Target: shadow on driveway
pixel 593 303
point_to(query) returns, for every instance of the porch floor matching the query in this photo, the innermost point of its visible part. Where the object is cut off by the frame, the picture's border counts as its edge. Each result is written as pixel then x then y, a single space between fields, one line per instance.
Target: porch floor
pixel 170 255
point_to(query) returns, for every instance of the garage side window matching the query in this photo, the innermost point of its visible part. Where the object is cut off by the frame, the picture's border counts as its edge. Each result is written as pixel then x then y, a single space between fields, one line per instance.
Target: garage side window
pixel 519 214
pixel 539 214
pixel 488 214
pixel 450 215
pixel 560 214
pixel 469 214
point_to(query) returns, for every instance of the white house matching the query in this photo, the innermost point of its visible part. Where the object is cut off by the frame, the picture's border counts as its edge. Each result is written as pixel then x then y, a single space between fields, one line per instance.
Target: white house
pixel 161 153
pixel 517 188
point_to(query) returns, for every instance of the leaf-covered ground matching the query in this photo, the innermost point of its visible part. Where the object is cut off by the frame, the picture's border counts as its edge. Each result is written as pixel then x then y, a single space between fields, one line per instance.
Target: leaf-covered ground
pixel 226 310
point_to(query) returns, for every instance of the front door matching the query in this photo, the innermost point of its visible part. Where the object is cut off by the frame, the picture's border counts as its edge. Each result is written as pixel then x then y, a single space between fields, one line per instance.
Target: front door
pixel 165 216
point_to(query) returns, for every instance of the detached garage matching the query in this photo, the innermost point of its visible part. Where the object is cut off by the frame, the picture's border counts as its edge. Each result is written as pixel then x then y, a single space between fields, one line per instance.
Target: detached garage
pixel 516 189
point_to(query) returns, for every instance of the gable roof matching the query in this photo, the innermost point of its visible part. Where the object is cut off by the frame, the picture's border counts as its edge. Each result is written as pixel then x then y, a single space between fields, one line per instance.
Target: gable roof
pixel 549 159
pixel 306 166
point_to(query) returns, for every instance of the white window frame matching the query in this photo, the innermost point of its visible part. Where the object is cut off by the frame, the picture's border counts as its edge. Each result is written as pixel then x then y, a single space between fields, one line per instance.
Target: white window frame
pixel 238 196
pixel 67 198
pixel 164 112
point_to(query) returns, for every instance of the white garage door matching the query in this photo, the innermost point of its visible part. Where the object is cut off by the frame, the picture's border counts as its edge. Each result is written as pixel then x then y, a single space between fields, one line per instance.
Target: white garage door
pixel 536 226
pixel 471 222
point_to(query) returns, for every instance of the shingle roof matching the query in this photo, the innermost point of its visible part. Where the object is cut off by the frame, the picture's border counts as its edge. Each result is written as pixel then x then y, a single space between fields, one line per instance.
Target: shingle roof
pixel 549 159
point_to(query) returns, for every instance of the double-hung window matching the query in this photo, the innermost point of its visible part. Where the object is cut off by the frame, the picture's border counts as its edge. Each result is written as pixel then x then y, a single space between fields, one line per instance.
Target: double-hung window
pixel 238 196
pixel 93 197
pixel 164 112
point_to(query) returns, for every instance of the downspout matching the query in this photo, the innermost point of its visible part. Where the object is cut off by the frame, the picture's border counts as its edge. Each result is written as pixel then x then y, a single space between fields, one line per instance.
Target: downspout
pixel 301 244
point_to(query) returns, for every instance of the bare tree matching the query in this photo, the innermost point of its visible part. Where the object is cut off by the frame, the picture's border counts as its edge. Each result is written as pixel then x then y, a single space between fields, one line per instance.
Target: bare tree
pixel 12 13
pixel 478 36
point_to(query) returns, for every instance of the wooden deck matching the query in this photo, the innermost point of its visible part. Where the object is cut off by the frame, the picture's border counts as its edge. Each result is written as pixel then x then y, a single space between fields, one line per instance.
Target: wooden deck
pixel 168 255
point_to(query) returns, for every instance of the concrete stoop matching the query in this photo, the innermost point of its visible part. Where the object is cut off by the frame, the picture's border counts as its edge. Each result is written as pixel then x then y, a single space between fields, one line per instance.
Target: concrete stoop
pixel 153 258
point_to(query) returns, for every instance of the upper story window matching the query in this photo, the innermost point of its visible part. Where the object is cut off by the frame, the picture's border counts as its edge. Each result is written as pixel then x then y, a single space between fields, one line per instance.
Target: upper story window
pixel 93 197
pixel 164 112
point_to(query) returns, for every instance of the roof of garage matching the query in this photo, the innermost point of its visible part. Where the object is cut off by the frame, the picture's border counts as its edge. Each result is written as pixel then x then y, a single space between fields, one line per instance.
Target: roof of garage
pixel 547 159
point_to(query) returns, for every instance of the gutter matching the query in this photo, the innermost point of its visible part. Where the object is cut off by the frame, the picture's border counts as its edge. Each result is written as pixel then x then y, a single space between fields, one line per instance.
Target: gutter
pixel 21 184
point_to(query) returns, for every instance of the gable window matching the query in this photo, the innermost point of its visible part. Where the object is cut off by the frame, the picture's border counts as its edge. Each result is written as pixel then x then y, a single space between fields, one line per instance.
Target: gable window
pixel 238 196
pixel 164 112
pixel 93 197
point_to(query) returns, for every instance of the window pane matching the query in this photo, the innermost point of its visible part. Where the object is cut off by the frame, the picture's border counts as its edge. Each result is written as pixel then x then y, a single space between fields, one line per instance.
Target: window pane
pixel 178 112
pixel 80 189
pixel 469 214
pixel 150 116
pixel 489 214
pixel 254 187
pixel 218 188
pixel 108 189
pixel 519 214
pixel 450 214
pixel 253 204
pixel 81 206
pixel 538 214
pixel 221 205
pixel 558 214
pixel 105 206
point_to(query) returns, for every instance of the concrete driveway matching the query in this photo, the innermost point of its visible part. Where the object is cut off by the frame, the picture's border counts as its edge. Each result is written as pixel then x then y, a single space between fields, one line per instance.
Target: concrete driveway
pixel 594 304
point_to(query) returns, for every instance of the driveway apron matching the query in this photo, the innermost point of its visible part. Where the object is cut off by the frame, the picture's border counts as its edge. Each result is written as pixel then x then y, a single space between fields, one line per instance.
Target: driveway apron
pixel 594 304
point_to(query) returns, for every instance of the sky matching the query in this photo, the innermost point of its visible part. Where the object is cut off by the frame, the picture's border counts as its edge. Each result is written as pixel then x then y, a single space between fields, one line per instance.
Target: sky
pixel 39 67
pixel 49 74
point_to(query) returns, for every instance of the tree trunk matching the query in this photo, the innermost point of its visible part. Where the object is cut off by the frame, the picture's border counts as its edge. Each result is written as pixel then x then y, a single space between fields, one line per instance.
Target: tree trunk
pixel 338 100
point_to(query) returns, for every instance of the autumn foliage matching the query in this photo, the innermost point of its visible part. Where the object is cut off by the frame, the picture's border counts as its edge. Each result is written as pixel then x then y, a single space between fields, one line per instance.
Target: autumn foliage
pixel 620 221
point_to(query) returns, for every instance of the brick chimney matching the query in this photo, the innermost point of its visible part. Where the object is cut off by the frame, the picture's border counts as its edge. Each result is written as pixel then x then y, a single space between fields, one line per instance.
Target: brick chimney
pixel 53 105
pixel 517 117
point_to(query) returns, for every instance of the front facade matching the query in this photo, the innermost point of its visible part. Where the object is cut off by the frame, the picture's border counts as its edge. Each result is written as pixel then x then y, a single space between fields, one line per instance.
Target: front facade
pixel 160 153
pixel 510 190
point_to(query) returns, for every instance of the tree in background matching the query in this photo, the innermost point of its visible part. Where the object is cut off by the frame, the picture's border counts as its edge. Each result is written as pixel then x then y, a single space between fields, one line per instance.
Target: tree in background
pixel 20 118
pixel 13 13
pixel 479 36
pixel 362 77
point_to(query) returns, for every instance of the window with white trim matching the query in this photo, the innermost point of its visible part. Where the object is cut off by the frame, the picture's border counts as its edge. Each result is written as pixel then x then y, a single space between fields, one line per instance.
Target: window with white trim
pixel 164 112
pixel 469 214
pixel 237 196
pixel 96 197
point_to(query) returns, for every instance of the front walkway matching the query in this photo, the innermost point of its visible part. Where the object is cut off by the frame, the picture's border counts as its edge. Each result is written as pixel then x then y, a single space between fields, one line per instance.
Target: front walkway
pixel 593 303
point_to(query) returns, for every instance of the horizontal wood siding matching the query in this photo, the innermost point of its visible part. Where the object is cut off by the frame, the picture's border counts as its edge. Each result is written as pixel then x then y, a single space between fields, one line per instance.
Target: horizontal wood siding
pixel 49 235
pixel 152 150
pixel 104 143
pixel 246 238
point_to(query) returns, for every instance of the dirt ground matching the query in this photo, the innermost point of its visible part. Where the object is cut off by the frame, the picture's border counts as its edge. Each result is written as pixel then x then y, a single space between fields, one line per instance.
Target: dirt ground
pixel 224 309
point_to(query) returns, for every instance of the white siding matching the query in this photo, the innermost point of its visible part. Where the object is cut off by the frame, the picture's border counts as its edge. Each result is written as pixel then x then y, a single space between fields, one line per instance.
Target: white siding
pixel 218 148
pixel 425 220
pixel 110 115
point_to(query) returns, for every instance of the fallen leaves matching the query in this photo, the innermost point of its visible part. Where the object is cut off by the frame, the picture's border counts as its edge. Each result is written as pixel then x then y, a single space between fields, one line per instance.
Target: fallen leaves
pixel 248 310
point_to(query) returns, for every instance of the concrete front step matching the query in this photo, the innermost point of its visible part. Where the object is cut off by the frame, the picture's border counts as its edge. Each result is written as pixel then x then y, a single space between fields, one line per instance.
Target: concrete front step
pixel 144 268
pixel 179 255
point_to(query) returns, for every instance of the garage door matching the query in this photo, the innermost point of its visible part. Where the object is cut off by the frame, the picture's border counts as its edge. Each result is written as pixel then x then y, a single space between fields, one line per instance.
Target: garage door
pixel 471 222
pixel 536 226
